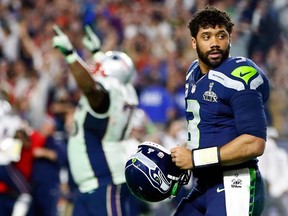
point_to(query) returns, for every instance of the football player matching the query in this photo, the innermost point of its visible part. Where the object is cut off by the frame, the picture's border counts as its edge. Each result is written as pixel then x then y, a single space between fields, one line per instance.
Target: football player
pixel 15 197
pixel 225 99
pixel 102 119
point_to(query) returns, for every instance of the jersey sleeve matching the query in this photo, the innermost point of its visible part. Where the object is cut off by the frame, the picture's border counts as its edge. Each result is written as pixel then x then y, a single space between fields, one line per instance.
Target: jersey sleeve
pixel 248 102
pixel 249 113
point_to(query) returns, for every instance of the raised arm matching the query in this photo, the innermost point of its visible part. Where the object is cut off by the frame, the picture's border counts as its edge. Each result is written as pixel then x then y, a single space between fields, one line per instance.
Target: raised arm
pixel 98 98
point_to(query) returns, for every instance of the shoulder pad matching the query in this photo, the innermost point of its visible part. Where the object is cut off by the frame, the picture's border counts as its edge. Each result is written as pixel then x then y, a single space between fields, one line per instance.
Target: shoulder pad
pixel 244 72
pixel 241 68
pixel 192 68
pixel 108 82
pixel 238 73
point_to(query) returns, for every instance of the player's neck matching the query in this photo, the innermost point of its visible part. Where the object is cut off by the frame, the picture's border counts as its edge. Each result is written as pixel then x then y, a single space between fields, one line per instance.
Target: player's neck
pixel 204 69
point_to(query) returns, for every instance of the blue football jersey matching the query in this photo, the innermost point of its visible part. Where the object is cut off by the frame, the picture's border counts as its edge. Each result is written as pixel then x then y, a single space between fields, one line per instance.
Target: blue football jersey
pixel 225 102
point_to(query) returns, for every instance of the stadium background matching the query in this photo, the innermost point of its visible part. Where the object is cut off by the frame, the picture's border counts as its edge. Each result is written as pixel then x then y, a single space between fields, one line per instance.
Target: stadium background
pixel 34 77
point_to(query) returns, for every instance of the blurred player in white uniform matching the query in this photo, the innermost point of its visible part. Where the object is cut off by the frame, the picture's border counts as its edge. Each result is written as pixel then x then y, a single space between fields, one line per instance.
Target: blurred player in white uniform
pixel 101 121
pixel 273 164
pixel 15 196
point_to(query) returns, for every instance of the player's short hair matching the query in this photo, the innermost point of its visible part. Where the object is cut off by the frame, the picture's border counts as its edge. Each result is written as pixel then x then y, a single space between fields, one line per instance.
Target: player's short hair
pixel 210 16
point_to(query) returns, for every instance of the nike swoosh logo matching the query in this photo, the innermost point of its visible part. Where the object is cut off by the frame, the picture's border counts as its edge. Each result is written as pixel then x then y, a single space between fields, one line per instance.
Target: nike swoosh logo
pixel 220 190
pixel 245 73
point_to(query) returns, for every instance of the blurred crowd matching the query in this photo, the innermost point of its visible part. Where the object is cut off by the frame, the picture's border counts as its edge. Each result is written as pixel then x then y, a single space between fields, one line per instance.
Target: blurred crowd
pixel 34 77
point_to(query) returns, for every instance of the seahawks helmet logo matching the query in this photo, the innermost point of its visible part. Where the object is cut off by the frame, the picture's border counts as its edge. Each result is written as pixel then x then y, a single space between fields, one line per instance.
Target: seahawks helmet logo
pixel 155 176
pixel 158 180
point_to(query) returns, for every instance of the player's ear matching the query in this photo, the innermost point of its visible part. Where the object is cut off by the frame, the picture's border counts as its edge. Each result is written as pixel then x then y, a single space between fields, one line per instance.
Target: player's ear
pixel 193 42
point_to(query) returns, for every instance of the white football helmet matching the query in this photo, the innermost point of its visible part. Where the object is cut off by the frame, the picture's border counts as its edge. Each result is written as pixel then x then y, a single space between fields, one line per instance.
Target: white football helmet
pixel 5 107
pixel 119 65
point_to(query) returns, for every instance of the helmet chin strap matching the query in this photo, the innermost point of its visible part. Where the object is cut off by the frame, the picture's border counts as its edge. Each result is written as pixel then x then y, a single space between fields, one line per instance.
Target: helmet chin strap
pixel 183 179
pixel 175 189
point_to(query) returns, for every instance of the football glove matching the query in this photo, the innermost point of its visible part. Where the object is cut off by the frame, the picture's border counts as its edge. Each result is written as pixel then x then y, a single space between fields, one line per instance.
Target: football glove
pixel 91 40
pixel 62 43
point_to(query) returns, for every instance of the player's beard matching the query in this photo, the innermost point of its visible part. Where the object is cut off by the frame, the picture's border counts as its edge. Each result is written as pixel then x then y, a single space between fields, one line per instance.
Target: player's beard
pixel 212 63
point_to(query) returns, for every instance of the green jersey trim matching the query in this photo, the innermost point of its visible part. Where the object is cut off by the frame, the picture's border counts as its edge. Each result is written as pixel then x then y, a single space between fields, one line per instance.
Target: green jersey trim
pixel 244 72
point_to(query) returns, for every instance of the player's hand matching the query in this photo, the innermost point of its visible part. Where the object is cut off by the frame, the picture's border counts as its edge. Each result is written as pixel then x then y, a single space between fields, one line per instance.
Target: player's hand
pixel 182 157
pixel 62 42
pixel 91 40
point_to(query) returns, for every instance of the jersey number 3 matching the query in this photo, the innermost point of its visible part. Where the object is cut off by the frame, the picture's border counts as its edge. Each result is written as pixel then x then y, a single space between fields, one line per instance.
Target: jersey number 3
pixel 193 130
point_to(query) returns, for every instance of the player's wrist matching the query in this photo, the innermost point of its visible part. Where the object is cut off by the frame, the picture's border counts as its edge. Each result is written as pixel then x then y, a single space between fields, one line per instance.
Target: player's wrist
pixel 72 57
pixel 98 56
pixel 206 157
pixel 95 51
